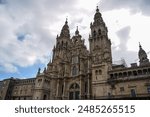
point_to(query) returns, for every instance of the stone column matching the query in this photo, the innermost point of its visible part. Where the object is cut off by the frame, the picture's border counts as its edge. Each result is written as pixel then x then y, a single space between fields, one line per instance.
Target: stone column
pixel 81 66
pixel 57 92
pixel 89 87
pixel 64 90
pixel 81 88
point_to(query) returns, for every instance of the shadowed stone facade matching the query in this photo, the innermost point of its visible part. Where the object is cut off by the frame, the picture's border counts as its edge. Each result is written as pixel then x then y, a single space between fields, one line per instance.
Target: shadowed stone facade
pixel 78 73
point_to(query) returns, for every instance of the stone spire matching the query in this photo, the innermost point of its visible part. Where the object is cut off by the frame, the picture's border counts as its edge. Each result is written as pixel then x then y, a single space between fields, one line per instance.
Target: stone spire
pixel 39 70
pixel 77 31
pixel 97 15
pixel 65 30
pixel 44 70
pixel 142 56
pixel 97 10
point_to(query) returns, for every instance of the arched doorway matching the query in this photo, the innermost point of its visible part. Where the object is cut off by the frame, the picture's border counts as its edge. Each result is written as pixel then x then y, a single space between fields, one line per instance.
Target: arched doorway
pixel 74 92
pixel 45 97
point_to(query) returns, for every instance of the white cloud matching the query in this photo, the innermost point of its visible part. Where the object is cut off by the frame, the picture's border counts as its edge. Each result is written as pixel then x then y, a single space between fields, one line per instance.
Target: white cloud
pixel 135 6
pixel 32 19
pixel 28 28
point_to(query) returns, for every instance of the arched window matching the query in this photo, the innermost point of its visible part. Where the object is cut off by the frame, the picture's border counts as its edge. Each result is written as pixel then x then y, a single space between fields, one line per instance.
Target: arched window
pixel 96 72
pixel 74 91
pixel 74 71
pixel 100 72
pixel 94 33
pixel 99 32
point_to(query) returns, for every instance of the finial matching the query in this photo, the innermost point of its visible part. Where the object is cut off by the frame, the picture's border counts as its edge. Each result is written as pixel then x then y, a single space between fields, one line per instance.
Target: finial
pixel 38 71
pixel 91 24
pixel 44 70
pixel 77 32
pixel 54 48
pixel 89 35
pixel 97 9
pixel 66 21
pixel 140 45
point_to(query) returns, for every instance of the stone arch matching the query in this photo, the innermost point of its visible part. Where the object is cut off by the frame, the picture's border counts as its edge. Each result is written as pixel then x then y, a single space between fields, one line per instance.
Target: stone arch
pixel 74 91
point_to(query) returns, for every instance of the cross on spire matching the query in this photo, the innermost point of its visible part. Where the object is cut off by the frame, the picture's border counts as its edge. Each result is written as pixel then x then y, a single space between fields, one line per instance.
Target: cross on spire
pixel 77 31
pixel 97 9
pixel 140 45
pixel 66 21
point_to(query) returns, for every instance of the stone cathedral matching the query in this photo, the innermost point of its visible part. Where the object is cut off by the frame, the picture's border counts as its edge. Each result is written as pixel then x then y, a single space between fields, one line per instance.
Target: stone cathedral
pixel 78 73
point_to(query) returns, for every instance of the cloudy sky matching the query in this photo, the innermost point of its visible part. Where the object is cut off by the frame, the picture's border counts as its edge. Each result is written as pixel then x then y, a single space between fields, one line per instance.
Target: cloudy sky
pixel 28 29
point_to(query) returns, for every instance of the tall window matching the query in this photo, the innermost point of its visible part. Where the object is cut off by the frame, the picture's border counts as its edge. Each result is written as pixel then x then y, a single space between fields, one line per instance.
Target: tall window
pixel 74 92
pixel 94 33
pixel 99 32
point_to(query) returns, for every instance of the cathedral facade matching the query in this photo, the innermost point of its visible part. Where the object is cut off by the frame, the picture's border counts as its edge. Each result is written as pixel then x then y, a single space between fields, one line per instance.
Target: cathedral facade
pixel 78 73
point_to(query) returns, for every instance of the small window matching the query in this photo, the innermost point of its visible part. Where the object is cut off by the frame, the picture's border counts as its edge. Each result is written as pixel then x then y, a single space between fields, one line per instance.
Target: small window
pixel 121 89
pixel 133 93
pixel 96 72
pixel 100 72
pixel 99 32
pixel 148 89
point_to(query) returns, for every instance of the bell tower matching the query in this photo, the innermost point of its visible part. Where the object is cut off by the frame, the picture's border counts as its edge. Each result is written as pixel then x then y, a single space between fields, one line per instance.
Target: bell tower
pixel 100 44
pixel 62 42
pixel 100 51
pixel 142 56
